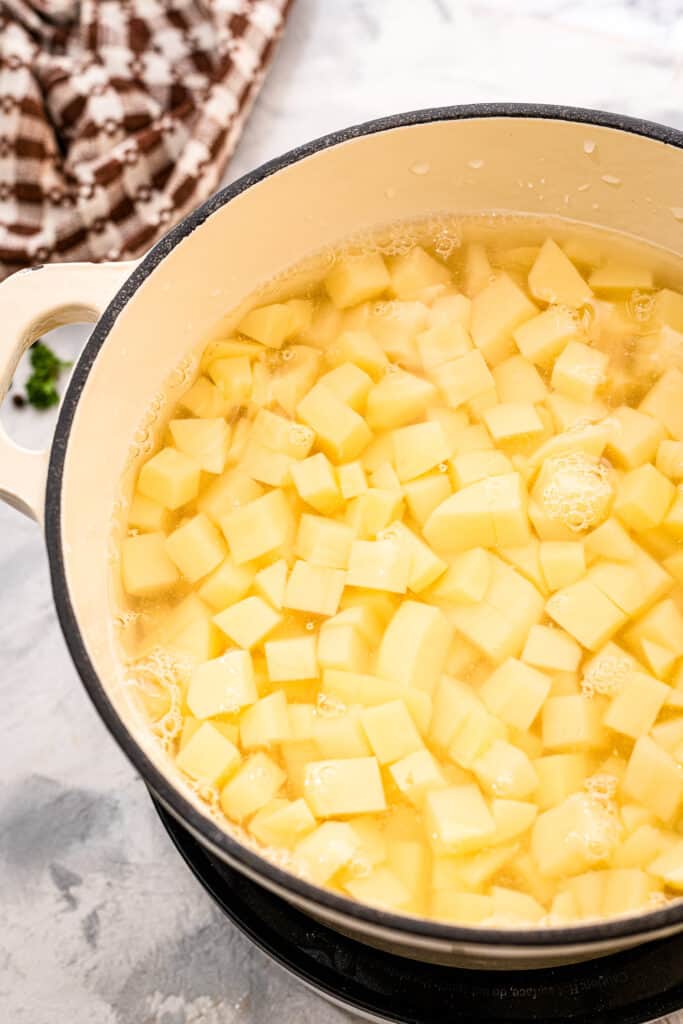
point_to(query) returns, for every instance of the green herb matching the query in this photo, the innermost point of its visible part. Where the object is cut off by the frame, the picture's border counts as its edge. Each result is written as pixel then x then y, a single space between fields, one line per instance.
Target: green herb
pixel 46 367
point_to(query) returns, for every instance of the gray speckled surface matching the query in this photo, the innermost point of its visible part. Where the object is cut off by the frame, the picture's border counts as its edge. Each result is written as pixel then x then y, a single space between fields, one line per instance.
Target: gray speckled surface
pixel 101 922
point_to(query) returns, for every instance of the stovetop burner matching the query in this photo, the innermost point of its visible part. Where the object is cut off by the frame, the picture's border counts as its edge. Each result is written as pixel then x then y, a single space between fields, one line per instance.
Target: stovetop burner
pixel 640 985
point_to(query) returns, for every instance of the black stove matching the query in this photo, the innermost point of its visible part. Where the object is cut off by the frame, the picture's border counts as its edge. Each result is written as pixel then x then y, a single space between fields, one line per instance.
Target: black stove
pixel 642 984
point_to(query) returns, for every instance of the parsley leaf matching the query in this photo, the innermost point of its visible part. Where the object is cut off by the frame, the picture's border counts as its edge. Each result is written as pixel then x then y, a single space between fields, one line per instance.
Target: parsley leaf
pixel 46 367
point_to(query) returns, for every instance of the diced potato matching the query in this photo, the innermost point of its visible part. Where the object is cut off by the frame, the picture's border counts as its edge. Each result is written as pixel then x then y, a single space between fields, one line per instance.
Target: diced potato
pixel 146 568
pixel 512 905
pixel 662 624
pixel 505 771
pixel 271 582
pixel 248 621
pixel 417 773
pixel 513 818
pixel 325 851
pixel 512 420
pixel 291 658
pixel 425 566
pixel 572 723
pixel 205 400
pixel 340 736
pixel 342 645
pixel 477 269
pixel 673 521
pixel 663 402
pixel 467 579
pixel 350 785
pixel 585 613
pixel 438 345
pixel 352 480
pixel 226 493
pixel 616 279
pixel 341 431
pixel 425 493
pixel 644 497
pixel 554 278
pixel 282 823
pixel 196 547
pixel 391 731
pixel 226 584
pixel 379 565
pixel 620 583
pixel 610 541
pixel 634 709
pixel 350 384
pixel 418 448
pixel 559 775
pixel 199 640
pixel 572 836
pixel 356 279
pixel 497 310
pixel 381 888
pixel 233 378
pixel 469 467
pixel 463 908
pixel 551 649
pixel 222 686
pixel 568 413
pixel 416 272
pixel 483 514
pixel 458 819
pixel 635 437
pixel 360 348
pixel 266 466
pixel 208 755
pixel 370 513
pixel 579 371
pixel 169 478
pixel 254 785
pixel 148 515
pixel 669 867
pixel 266 722
pixel 206 441
pixel 527 559
pixel 316 483
pixel 542 338
pixel 518 380
pixel 414 646
pixel 464 378
pixel 654 779
pixel 258 527
pixel 314 588
pixel 322 541
pixel 515 693
pixel 562 563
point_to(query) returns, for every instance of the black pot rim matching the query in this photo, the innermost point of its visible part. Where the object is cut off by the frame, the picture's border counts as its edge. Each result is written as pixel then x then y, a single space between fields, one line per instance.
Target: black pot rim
pixel 238 854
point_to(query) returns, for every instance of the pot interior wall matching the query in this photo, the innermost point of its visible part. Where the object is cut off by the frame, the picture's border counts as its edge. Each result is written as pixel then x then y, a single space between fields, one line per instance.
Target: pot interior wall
pixel 518 165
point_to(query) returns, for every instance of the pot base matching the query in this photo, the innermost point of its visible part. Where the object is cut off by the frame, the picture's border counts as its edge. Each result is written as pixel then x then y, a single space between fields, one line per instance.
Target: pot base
pixel 639 985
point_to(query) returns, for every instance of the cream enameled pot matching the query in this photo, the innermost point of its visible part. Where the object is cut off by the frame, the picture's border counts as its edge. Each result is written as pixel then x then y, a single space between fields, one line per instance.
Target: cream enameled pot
pixel 463 160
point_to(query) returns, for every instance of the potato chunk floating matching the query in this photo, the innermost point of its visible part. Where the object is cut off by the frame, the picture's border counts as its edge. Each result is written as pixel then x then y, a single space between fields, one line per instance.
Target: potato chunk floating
pixel 401 576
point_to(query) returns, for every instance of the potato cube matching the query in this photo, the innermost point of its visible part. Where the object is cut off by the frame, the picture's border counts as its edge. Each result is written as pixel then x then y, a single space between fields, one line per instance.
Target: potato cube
pixel 514 906
pixel 340 736
pixel 425 493
pixel 425 567
pixel 518 380
pixel 477 269
pixel 467 578
pixel 465 378
pixel 226 584
pixel 356 279
pixel 282 823
pixel 572 836
pixel 463 520
pixel 673 521
pixel 254 785
pixel 669 308
pixel 654 779
pixel 414 646
pixel 325 851
pixel 146 568
pixel 316 483
pixel 199 640
pixel 572 723
pixel 342 645
pixel 359 348
pixel 562 562
pixel 527 559
pixel 568 413
pixel 462 908
pixel 258 527
pixel 668 867
pixel 559 775
pixel 511 421
pixel 314 588
pixel 291 658
pixel 370 513
pixel 148 515
pixel 507 503
pixel 233 378
pixel 379 565
pixel 492 632
pixel 418 448
pixel 272 325
pixel 550 648
pixel 196 547
pixel 554 278
pixel 391 731
pixel 169 478
pixel 397 399
pixel 208 755
pixel 505 771
pixel 282 435
pixel 417 773
pixel 227 492
pixel 415 272
pixel 265 723
pixel 439 344
pixel 380 888
pixel 616 279
pixel 470 467
pixel 515 693
pixel 663 402
pixel 453 701
pixel 266 466
pixel 644 497
pixel 458 819
pixel 513 818
pixel 352 481
pixel 344 786
pixel 669 459
pixel 342 432
pixel 497 310
pixel 247 622
pixel 271 582
pixel 222 686
pixel 610 541
pixel 620 583
pixel 579 371
pixel 323 541
pixel 662 624
pixel 206 441
pixel 542 338
pixel 634 709
pixel 659 659
pixel 205 400
pixel 635 437
pixel 350 384
pixel 586 613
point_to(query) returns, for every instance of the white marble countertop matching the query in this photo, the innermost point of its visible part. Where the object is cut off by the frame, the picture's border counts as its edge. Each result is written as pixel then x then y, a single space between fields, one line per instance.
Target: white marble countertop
pixel 101 923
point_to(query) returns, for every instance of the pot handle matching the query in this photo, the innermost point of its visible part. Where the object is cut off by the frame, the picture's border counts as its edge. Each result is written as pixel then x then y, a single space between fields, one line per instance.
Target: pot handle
pixel 32 302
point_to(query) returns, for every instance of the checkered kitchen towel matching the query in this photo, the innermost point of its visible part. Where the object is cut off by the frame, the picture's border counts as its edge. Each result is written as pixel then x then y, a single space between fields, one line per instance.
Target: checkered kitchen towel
pixel 118 116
